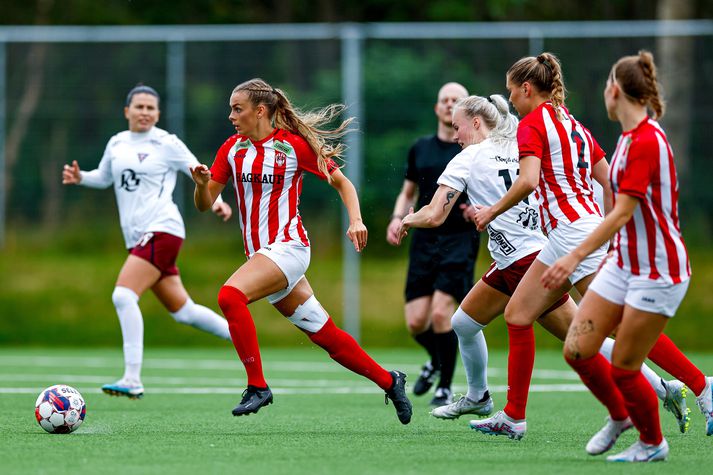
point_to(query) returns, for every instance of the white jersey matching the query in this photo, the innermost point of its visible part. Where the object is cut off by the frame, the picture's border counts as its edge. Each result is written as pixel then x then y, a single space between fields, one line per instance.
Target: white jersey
pixel 486 171
pixel 142 167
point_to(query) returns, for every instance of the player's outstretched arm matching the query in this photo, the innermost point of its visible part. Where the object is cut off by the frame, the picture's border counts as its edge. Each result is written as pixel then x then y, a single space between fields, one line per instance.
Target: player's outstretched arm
pixel 405 201
pixel 71 175
pixel 357 232
pixel 433 214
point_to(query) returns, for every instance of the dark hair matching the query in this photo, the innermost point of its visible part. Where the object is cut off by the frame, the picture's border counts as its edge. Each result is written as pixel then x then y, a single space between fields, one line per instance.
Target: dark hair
pixel 140 88
pixel 309 125
pixel 636 75
pixel 543 71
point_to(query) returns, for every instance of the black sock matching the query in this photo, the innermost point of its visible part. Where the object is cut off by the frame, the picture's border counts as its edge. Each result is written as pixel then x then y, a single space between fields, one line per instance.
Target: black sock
pixel 427 340
pixel 447 348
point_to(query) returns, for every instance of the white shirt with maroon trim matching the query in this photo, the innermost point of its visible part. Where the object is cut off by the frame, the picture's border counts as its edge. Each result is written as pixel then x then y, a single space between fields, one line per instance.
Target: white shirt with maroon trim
pixel 568 152
pixel 486 171
pixel 650 244
pixel 267 176
pixel 143 168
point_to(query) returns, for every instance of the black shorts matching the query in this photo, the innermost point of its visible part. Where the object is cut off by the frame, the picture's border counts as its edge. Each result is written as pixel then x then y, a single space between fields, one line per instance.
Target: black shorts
pixel 442 262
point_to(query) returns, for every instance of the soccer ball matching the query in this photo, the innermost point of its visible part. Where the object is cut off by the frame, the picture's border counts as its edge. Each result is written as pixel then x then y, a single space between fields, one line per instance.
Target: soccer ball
pixel 60 409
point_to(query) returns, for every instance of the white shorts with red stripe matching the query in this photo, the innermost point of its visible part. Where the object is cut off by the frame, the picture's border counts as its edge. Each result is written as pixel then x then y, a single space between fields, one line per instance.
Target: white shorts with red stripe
pixel 621 287
pixel 293 260
pixel 564 238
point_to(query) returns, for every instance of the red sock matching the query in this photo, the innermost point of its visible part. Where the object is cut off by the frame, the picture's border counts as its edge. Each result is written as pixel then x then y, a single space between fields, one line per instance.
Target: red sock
pixel 521 360
pixel 641 402
pixel 595 373
pixel 234 305
pixel 344 349
pixel 666 354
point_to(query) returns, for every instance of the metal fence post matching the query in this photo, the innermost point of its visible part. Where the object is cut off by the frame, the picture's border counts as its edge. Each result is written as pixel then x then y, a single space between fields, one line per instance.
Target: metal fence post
pixel 3 107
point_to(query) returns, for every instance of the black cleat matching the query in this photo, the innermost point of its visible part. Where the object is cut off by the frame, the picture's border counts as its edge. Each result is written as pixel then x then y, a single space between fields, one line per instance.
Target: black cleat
pixel 397 394
pixel 425 379
pixel 442 397
pixel 253 399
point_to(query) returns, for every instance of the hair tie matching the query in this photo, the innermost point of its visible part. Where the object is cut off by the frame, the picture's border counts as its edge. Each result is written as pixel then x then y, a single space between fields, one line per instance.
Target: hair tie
pixel 544 61
pixel 490 99
pixel 274 91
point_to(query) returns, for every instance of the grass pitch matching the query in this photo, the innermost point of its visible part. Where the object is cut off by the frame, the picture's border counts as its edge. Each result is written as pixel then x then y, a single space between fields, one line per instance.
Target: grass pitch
pixel 325 420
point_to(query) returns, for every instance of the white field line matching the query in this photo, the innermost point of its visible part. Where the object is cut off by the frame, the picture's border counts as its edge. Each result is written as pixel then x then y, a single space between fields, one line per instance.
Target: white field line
pixel 181 364
pixel 537 388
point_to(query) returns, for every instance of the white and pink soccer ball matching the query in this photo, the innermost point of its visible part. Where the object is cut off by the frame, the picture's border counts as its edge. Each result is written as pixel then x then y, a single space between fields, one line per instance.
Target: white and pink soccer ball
pixel 60 409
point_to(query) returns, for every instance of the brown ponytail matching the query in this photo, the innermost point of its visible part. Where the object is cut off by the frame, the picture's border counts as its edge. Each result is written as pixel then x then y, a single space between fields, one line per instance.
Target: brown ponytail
pixel 544 72
pixel 306 124
pixel 637 78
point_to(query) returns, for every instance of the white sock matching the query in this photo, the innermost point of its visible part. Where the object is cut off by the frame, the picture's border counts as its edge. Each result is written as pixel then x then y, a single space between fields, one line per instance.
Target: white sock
pixel 202 318
pixel 473 352
pixel 132 329
pixel 653 378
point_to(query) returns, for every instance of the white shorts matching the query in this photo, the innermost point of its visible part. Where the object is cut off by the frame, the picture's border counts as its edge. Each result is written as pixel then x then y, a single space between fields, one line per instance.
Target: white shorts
pixel 292 259
pixel 621 287
pixel 565 238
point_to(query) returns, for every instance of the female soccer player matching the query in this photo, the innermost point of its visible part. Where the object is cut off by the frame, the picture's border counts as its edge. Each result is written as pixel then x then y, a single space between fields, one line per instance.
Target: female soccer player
pixel 642 285
pixel 142 164
pixel 558 159
pixel 274 146
pixel 485 168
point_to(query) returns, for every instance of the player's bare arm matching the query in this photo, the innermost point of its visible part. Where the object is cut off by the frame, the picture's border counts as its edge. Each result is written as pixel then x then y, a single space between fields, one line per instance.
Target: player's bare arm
pixel 600 173
pixel 357 232
pixel 207 190
pixel 521 188
pixel 433 214
pixel 71 174
pixel 405 201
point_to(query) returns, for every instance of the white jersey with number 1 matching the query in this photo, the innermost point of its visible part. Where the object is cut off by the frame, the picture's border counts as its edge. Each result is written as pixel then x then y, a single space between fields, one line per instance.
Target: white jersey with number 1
pixel 486 171
pixel 143 168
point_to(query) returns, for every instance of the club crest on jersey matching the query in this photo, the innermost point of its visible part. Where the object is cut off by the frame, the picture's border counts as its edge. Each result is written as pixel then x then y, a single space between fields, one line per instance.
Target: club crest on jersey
pixel 528 218
pixel 129 180
pixel 142 156
pixel 280 158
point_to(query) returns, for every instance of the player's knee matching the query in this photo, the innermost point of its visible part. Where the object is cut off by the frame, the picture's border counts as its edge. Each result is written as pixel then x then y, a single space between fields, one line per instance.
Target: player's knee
pixel 309 316
pixel 123 296
pixel 185 314
pixel 440 316
pixel 229 297
pixel 464 325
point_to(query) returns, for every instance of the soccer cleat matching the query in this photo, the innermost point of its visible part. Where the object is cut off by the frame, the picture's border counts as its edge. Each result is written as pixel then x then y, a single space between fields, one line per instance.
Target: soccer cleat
pixel 675 403
pixel 465 406
pixel 500 424
pixel 132 389
pixel 604 440
pixel 641 452
pixel 442 397
pixel 397 394
pixel 425 379
pixel 705 404
pixel 253 399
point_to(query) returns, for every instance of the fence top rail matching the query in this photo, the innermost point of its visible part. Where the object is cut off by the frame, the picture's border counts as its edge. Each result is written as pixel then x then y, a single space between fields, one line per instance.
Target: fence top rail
pixel 322 31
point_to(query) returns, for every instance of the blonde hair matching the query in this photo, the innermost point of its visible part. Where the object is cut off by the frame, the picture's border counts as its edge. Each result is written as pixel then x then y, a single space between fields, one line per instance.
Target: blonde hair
pixel 636 75
pixel 495 113
pixel 306 124
pixel 544 72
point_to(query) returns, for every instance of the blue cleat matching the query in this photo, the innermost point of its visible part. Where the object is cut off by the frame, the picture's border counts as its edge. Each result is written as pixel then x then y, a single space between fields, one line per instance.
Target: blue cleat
pixel 125 387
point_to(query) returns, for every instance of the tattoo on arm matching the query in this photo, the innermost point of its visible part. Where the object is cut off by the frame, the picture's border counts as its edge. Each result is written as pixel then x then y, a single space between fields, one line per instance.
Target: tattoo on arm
pixel 449 197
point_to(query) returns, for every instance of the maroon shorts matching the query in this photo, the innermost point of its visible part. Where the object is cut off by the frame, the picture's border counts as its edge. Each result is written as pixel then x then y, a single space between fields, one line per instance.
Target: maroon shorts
pixel 506 280
pixel 160 249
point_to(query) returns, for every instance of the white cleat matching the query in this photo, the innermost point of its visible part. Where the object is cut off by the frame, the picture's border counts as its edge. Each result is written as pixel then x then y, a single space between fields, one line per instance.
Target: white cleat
pixel 465 406
pixel 605 439
pixel 675 403
pixel 133 389
pixel 500 424
pixel 705 404
pixel 641 452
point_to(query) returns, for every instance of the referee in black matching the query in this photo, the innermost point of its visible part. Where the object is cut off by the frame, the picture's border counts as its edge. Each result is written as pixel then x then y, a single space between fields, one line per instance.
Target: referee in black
pixel 442 259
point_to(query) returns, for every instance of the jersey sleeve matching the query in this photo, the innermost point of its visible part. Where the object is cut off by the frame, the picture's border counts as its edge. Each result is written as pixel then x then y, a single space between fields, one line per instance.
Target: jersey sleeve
pixel 307 159
pixel 411 173
pixel 178 155
pixel 530 141
pixel 637 174
pixel 220 170
pixel 100 177
pixel 456 173
pixel 597 151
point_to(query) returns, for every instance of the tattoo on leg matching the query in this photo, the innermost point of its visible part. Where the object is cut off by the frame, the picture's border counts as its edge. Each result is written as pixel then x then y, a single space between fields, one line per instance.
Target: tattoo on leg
pixel 575 332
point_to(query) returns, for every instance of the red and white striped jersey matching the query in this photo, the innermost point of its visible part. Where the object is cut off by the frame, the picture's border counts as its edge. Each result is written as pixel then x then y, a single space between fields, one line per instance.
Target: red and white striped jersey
pixel 267 176
pixel 650 244
pixel 568 152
